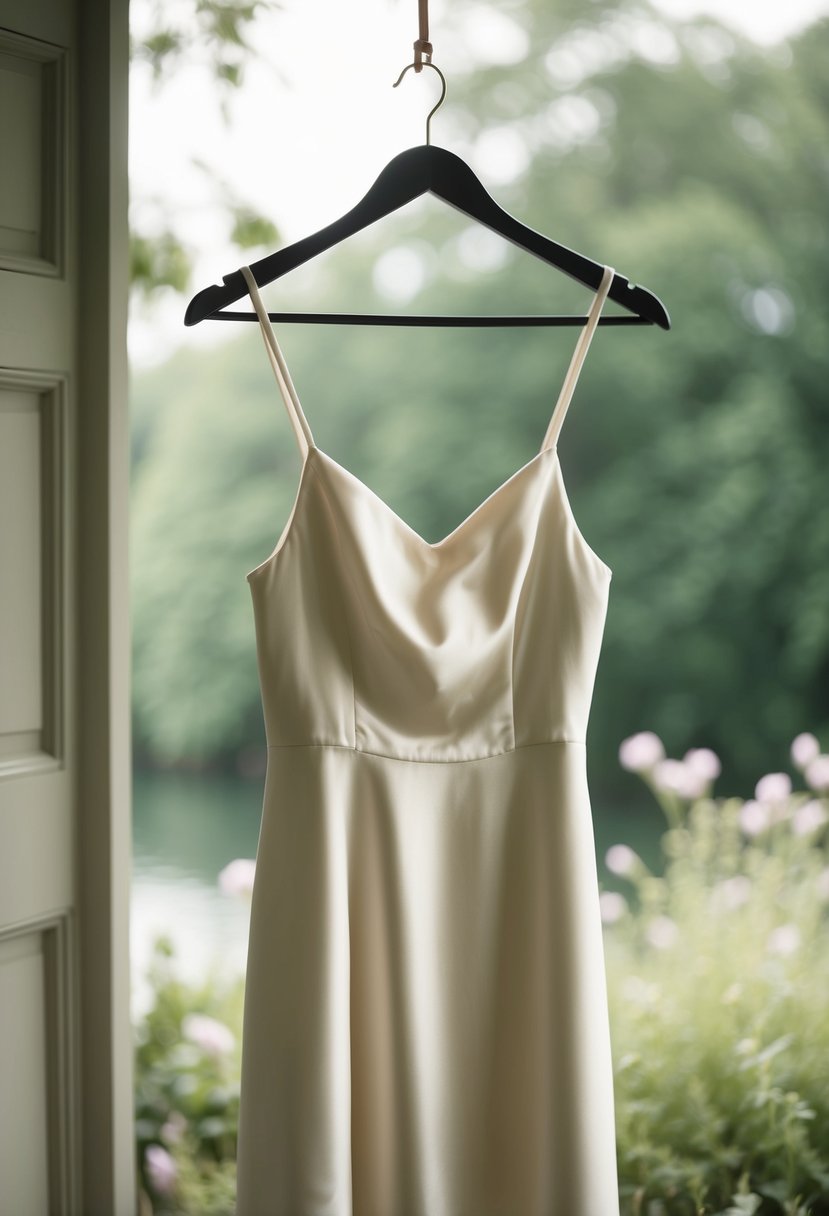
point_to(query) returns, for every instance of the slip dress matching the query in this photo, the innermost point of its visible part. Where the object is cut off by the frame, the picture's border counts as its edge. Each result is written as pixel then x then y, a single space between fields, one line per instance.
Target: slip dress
pixel 425 1027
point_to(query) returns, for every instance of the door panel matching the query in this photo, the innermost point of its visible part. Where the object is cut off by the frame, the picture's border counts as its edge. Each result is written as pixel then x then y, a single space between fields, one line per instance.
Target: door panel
pixel 33 476
pixel 66 1144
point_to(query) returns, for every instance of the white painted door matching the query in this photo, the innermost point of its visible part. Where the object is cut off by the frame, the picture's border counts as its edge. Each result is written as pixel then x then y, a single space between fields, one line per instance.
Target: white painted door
pixel 66 1134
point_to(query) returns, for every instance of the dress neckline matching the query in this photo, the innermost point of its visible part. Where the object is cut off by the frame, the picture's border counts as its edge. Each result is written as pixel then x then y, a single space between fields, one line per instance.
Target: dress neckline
pixel 456 534
pixel 317 459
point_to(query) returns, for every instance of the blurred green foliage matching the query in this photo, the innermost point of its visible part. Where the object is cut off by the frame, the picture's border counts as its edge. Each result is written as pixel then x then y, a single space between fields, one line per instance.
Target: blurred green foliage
pixel 219 31
pixel 219 34
pixel 187 1069
pixel 695 163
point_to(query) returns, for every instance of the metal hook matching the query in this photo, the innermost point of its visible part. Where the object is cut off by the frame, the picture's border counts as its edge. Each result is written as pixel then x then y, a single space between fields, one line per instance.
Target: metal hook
pixel 427 64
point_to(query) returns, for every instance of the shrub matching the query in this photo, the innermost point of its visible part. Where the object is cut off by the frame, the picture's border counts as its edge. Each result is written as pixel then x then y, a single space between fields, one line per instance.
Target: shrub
pixel 187 1065
pixel 718 979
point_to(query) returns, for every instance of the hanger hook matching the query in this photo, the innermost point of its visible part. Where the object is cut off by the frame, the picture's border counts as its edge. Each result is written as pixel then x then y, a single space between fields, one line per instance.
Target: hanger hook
pixel 427 64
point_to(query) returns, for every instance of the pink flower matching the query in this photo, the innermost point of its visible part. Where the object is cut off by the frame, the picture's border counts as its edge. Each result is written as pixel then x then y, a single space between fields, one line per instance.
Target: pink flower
pixel 774 787
pixel 808 818
pixel 703 761
pixel 641 752
pixel 613 906
pixel 213 1037
pixel 804 749
pixel 817 773
pixel 677 777
pixel 662 932
pixel 161 1169
pixel 621 859
pixel 237 877
pixel 754 817
pixel 783 940
pixel 173 1129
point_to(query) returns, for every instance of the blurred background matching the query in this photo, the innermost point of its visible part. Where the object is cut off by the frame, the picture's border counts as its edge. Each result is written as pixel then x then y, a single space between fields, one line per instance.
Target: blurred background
pixel 687 145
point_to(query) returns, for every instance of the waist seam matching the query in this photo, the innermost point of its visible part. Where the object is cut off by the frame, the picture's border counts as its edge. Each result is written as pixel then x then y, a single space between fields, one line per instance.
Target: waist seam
pixel 362 751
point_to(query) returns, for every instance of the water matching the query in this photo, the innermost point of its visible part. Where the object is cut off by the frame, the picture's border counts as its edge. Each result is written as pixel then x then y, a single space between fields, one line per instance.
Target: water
pixel 186 828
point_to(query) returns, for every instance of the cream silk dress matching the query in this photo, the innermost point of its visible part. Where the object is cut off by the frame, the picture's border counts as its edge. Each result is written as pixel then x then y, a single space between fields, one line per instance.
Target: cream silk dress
pixel 425 1021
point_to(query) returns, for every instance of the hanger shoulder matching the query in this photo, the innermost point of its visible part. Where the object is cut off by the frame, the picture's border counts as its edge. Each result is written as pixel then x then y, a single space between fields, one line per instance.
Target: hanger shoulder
pixel 456 184
pixel 402 180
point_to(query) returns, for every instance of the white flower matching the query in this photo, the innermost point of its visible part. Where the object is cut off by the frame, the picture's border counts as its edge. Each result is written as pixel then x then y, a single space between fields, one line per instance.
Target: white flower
pixel 662 932
pixel 783 940
pixel 613 906
pixel 677 777
pixel 774 787
pixel 703 761
pixel 161 1169
pixel 640 752
pixel 213 1037
pixel 817 772
pixel 696 783
pixel 621 859
pixel 809 817
pixel 754 817
pixel 237 877
pixel 731 892
pixel 804 749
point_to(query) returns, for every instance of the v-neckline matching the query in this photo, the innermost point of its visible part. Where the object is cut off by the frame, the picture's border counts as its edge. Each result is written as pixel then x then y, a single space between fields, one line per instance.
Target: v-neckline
pixel 457 532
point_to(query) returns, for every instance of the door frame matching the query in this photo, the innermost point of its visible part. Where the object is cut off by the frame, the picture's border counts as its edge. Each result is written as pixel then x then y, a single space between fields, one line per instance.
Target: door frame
pixel 103 857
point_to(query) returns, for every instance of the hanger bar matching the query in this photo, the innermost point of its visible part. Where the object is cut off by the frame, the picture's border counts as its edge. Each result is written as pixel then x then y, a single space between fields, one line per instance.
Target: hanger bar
pixel 359 318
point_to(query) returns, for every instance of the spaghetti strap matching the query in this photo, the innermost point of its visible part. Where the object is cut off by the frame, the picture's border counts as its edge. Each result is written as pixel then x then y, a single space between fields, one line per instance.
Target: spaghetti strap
pixel 280 368
pixel 577 360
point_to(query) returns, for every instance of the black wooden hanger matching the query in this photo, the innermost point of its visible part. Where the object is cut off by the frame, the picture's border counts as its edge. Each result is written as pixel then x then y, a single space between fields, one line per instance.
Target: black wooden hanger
pixel 405 177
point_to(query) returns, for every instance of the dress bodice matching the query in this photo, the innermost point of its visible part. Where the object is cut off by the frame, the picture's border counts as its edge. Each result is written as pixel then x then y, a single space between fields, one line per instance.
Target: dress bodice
pixel 371 638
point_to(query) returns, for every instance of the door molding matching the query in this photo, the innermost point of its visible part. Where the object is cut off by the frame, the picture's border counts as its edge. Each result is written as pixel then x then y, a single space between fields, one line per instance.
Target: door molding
pixel 46 945
pixel 104 818
pixel 44 395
